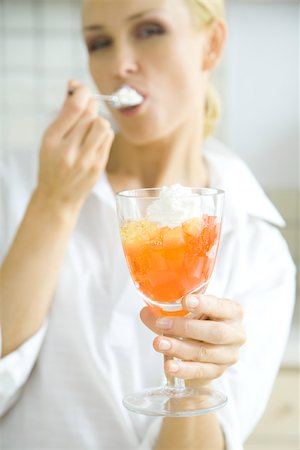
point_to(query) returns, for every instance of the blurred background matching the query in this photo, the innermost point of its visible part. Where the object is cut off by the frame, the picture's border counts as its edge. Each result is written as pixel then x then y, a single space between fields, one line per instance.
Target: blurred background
pixel 41 48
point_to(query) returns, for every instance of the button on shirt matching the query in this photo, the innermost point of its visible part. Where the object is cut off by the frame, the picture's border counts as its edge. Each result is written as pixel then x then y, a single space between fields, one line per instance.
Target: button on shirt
pixel 63 388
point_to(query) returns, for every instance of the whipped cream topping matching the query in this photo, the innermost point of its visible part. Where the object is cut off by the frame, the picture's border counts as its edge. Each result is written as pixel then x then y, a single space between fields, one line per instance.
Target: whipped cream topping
pixel 175 205
pixel 126 96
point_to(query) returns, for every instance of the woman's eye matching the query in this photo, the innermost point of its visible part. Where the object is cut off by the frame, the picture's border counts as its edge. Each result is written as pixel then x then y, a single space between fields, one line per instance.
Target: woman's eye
pixel 98 44
pixel 149 30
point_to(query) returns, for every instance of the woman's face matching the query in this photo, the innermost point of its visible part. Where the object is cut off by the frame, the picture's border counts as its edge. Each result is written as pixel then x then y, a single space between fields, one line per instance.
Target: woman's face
pixel 153 46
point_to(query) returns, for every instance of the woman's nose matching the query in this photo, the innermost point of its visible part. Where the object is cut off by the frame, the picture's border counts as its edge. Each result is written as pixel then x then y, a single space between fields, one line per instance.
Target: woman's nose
pixel 125 62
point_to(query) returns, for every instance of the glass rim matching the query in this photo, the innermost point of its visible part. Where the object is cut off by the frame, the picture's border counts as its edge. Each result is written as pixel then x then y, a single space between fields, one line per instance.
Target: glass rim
pixel 131 193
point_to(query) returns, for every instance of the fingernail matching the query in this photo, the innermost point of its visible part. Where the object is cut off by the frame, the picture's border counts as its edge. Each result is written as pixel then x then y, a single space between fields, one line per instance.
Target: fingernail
pixel 164 344
pixel 173 367
pixel 164 323
pixel 192 301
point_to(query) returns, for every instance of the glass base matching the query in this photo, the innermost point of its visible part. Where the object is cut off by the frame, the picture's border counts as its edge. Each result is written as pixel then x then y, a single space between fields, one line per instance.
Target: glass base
pixel 170 402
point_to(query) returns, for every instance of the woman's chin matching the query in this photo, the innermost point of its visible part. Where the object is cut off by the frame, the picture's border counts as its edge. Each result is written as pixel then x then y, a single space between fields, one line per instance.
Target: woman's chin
pixel 147 131
pixel 142 136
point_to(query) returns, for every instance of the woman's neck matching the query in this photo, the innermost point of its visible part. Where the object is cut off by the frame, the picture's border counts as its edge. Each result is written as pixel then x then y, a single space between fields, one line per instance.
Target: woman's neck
pixel 176 158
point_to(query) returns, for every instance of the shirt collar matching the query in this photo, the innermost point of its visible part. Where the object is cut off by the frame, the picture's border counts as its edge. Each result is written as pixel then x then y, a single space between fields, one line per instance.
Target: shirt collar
pixel 244 197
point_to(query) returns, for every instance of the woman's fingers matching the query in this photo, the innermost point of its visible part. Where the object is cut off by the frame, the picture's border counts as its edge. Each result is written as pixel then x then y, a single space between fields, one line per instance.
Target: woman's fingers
pixel 212 307
pixel 72 110
pixel 96 146
pixel 209 331
pixel 97 134
pixel 149 318
pixel 194 370
pixel 190 350
pixel 77 134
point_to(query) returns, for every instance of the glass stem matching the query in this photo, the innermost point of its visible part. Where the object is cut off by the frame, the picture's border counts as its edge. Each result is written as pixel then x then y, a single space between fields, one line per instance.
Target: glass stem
pixel 173 385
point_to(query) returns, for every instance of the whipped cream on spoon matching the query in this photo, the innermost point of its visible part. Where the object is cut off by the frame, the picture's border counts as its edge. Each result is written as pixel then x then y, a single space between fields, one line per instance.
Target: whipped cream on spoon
pixel 124 97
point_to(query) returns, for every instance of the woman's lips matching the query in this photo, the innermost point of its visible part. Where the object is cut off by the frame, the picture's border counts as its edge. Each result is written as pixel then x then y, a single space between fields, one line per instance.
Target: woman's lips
pixel 138 90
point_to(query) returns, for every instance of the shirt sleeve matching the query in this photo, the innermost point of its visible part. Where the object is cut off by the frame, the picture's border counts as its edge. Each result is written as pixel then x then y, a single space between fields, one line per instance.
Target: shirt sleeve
pixel 21 167
pixel 16 367
pixel 265 276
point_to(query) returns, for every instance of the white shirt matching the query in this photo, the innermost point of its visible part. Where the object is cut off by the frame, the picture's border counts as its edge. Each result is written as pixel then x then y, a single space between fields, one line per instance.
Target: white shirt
pixel 63 388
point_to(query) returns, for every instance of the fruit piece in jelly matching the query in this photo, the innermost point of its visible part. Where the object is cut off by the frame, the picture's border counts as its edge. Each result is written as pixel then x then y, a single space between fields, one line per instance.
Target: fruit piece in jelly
pixel 157 261
pixel 194 265
pixel 193 227
pixel 160 277
pixel 173 237
pixel 175 257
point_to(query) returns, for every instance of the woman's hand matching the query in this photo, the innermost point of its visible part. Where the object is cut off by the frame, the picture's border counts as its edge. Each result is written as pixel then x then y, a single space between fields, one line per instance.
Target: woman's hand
pixel 74 150
pixel 209 342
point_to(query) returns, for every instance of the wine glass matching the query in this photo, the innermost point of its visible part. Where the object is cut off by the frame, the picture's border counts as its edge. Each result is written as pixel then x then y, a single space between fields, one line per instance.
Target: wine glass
pixel 170 239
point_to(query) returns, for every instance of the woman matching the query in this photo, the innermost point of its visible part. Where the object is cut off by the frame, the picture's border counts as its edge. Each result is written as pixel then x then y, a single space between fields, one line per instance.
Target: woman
pixel 71 343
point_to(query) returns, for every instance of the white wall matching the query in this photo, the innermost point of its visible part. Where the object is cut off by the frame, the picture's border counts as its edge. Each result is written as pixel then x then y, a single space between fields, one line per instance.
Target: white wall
pixel 261 88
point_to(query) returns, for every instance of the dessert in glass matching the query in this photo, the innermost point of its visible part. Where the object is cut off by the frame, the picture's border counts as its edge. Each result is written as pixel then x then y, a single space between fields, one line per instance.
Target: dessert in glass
pixel 170 237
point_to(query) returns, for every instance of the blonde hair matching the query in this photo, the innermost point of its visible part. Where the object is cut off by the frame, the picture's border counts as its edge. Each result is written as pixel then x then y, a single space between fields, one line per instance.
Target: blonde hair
pixel 205 12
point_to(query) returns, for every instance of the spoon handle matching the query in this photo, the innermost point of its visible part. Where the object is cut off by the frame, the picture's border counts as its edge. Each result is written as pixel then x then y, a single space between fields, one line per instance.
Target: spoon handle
pixel 106 98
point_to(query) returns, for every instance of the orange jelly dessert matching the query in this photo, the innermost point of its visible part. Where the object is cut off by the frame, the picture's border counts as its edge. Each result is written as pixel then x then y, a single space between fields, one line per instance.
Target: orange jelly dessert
pixel 168 263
